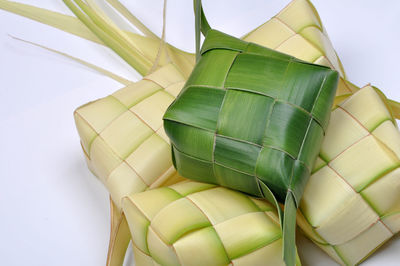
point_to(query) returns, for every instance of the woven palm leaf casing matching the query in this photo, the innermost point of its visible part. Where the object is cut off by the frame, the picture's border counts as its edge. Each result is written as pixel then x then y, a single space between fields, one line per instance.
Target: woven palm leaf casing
pixel 249 114
pixel 251 119
pixel 123 138
pixel 192 223
pixel 351 204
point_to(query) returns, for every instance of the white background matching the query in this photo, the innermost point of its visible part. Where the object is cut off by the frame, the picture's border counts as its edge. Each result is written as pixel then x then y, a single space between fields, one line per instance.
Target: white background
pixel 53 210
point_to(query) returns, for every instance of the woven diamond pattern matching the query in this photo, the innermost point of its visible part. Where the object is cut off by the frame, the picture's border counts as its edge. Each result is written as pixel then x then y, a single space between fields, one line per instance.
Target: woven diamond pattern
pixel 303 37
pixel 123 138
pixel 358 181
pixel 194 223
pixel 258 115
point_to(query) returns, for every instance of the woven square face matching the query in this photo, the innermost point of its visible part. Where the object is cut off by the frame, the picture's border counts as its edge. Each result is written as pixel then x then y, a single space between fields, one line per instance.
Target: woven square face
pixel 249 114
pixel 351 204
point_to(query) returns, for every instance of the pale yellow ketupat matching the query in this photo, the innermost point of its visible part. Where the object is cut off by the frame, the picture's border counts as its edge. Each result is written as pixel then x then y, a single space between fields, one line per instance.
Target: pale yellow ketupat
pixel 122 135
pixel 193 223
pixel 351 204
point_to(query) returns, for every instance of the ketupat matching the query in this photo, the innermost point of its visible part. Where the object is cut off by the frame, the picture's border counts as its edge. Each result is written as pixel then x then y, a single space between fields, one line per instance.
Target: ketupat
pixel 252 119
pixel 296 30
pixel 123 138
pixel 351 204
pixel 193 223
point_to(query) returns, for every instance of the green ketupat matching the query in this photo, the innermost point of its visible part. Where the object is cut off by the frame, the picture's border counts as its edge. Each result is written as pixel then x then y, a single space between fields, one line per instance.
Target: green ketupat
pixel 252 119
pixel 192 223
pixel 351 204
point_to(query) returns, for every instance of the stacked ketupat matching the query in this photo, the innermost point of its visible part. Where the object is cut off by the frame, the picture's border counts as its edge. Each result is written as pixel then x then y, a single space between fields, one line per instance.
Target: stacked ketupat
pixel 297 30
pixel 351 204
pixel 192 223
pixel 284 34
